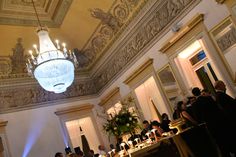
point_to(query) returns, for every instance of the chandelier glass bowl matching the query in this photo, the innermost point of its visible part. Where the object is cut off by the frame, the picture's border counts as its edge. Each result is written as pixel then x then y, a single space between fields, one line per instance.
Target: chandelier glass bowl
pixel 52 64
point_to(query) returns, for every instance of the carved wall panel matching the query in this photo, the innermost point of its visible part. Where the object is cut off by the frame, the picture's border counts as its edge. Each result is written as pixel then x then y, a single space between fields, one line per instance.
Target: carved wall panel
pixel 224 37
pixel 30 96
pixel 17 12
pixel 15 64
pixel 220 1
pixel 112 24
pixel 5 65
pixel 154 23
pixel 157 21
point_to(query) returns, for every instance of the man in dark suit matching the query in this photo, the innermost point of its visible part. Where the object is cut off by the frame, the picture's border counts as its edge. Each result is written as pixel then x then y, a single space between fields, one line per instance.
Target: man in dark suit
pixel 226 102
pixel 228 105
pixel 207 111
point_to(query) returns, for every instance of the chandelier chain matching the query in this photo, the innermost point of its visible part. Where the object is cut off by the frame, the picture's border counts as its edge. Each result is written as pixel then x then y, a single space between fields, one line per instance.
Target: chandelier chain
pixel 40 25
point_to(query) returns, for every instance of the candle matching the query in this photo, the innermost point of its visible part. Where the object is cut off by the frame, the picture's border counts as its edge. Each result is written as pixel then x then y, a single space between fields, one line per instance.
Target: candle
pixel 57 44
pixel 36 48
pixel 154 132
pixel 29 61
pixel 110 153
pixel 130 143
pixel 122 145
pixel 64 47
pixel 148 134
pixel 137 140
pixel 31 53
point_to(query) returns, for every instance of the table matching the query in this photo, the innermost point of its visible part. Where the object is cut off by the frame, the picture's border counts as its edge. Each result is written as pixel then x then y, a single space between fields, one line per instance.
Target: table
pixel 193 142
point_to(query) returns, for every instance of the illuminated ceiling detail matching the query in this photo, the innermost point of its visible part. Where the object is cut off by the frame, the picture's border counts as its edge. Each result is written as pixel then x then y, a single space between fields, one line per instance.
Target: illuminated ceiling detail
pixel 127 43
pixel 20 12
pixel 112 25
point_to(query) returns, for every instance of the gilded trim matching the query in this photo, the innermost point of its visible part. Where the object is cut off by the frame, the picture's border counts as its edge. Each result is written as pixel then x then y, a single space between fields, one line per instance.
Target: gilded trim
pixel 220 1
pixel 187 28
pixel 109 96
pixel 3 123
pixel 227 22
pixel 235 78
pixel 66 110
pixel 137 72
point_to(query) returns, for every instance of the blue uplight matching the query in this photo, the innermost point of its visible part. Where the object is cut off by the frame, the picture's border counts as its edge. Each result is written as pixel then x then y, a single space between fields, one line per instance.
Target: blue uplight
pixel 35 131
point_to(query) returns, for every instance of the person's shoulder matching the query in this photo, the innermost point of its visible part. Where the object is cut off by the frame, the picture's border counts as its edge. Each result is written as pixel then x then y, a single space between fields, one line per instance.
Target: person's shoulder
pixel 205 98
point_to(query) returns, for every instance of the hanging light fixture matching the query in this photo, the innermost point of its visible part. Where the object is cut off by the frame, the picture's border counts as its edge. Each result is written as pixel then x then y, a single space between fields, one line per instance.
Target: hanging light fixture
pixel 52 65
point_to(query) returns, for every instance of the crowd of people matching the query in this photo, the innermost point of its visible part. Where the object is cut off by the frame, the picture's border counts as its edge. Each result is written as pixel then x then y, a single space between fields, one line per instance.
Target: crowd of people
pixel 216 111
pixel 80 153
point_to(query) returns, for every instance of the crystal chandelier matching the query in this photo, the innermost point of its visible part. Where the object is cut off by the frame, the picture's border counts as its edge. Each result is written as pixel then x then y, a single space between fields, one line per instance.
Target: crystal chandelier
pixel 52 65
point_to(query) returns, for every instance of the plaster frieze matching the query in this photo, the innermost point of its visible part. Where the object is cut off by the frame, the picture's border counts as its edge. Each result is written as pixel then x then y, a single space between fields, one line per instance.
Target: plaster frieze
pixel 112 25
pixel 227 40
pixel 156 22
pixel 153 23
pixel 19 91
pixel 32 95
pixel 71 109
pixel 220 1
pixel 52 13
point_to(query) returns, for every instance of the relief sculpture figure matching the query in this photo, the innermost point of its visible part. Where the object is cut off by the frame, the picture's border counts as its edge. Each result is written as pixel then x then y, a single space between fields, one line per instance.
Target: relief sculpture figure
pixel 106 18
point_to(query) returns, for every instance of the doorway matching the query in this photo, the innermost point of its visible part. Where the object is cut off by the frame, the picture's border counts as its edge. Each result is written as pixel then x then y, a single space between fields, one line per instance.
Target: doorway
pixel 150 100
pixel 196 67
pixel 83 134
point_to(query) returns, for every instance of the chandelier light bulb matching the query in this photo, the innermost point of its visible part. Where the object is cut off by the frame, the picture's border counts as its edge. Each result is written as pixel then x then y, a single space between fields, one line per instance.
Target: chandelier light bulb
pixel 36 48
pixel 64 45
pixel 57 44
pixel 31 52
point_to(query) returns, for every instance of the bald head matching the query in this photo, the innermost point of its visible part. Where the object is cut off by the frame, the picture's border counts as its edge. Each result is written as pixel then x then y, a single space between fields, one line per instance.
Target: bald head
pixel 220 85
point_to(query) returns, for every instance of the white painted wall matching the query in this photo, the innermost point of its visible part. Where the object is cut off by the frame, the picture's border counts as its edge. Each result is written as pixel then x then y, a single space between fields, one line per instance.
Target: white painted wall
pixel 44 124
pixel 231 57
pixel 36 130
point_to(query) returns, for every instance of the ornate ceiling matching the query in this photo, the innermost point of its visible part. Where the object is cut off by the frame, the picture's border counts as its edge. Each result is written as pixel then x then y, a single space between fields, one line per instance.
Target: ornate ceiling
pixel 20 12
pixel 107 36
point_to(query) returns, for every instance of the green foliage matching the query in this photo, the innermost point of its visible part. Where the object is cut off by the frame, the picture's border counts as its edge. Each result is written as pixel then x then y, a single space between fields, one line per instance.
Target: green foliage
pixel 121 123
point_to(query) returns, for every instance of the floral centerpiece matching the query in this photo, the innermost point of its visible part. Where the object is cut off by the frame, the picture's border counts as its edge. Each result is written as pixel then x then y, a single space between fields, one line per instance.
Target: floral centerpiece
pixel 122 122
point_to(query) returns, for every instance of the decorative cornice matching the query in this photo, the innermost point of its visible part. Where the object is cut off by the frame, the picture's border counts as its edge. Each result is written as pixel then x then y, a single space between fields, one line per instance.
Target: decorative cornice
pixel 154 22
pixel 183 31
pixel 71 109
pixel 161 16
pixel 109 96
pixel 220 1
pixel 137 72
pixel 235 78
pixel 3 123
pixel 51 12
pixel 32 95
pixel 113 23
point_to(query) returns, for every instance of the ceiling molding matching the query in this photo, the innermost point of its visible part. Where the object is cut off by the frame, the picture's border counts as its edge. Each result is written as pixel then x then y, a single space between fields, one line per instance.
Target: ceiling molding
pixel 72 109
pixel 183 31
pixel 136 73
pixel 220 1
pixel 109 96
pixel 144 33
pixel 20 12
pixel 24 96
pixel 3 123
pixel 133 45
pixel 113 23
